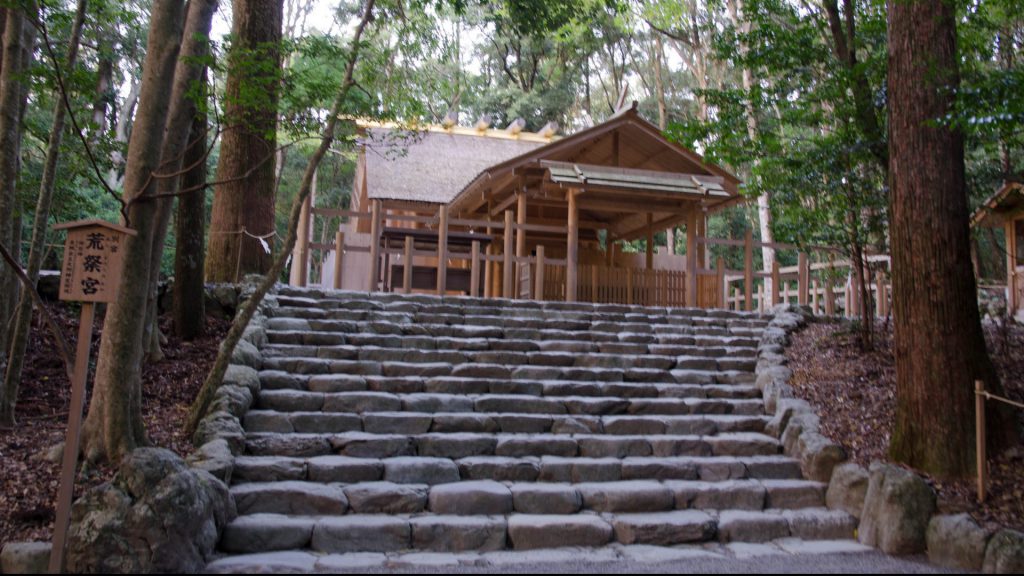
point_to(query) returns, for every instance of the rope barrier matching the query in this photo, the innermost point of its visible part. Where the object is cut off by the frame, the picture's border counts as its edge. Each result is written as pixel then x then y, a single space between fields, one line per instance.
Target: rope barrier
pixel 990 396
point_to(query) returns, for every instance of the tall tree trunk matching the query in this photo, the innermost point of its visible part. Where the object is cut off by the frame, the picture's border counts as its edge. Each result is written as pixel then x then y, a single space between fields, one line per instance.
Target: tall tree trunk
pixel 13 91
pixel 189 71
pixel 764 210
pixel 189 229
pixel 104 80
pixel 114 424
pixel 122 130
pixel 241 321
pixel 940 348
pixel 23 318
pixel 243 204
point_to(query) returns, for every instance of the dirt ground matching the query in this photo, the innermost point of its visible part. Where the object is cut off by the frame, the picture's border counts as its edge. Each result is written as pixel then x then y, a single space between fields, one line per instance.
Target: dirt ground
pixel 30 478
pixel 854 392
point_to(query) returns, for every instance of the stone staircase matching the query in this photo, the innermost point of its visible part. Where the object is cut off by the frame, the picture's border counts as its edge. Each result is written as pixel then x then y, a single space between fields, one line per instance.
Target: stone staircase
pixel 392 423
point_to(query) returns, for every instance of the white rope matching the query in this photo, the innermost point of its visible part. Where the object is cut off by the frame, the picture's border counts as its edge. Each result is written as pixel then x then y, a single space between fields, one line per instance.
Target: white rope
pixel 990 396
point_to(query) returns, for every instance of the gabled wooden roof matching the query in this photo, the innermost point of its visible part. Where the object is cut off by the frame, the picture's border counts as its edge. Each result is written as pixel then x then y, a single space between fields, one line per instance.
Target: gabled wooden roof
pixel 1008 201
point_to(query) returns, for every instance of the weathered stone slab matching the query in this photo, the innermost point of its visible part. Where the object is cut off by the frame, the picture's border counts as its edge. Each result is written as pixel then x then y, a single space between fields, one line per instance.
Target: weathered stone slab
pixel 387 498
pixel 626 496
pixel 744 526
pixel 361 534
pixel 477 497
pixel 289 497
pixel 458 533
pixel 530 532
pixel 344 469
pixel 664 528
pixel 420 470
pixel 545 498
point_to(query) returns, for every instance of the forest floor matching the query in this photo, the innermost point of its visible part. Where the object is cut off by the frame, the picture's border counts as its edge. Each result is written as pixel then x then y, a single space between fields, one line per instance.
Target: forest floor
pixel 854 392
pixel 31 465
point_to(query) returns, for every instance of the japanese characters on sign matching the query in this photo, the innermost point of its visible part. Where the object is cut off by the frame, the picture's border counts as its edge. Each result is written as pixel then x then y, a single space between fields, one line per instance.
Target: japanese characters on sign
pixel 93 257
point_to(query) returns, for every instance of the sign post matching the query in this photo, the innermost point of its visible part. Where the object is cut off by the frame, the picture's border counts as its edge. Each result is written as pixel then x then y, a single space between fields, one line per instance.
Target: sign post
pixel 93 259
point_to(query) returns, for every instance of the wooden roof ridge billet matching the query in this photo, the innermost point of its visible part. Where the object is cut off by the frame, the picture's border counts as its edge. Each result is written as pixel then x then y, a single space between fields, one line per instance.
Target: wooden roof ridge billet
pixel 986 208
pixel 545 136
pixel 701 178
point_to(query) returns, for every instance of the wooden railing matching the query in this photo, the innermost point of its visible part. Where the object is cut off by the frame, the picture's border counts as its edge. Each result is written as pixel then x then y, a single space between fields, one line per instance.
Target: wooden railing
pixel 504 269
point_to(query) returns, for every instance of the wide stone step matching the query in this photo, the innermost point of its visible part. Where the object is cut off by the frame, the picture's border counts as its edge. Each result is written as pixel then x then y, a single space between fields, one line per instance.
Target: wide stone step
pixel 432 470
pixel 489 331
pixel 361 402
pixel 257 421
pixel 454 533
pixel 434 486
pixel 462 444
pixel 667 344
pixel 332 383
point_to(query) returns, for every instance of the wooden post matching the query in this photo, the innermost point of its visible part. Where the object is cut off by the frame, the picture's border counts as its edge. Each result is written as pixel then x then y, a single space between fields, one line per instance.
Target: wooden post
pixel 1011 268
pixel 736 298
pixel 748 270
pixel 572 247
pixel 375 223
pixel 691 259
pixel 760 297
pixel 880 298
pixel 775 282
pixel 803 280
pixel 649 262
pixel 785 292
pixel 593 283
pixel 488 273
pixel 814 297
pixel 520 237
pixel 442 250
pixel 71 443
pixel 723 290
pixel 339 258
pixel 407 258
pixel 300 255
pixel 830 298
pixel 979 435
pixel 538 280
pixel 474 269
pixel 508 272
pixel 629 286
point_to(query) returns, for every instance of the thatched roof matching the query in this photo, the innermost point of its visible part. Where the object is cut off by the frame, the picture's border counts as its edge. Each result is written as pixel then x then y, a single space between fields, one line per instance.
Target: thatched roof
pixel 432 166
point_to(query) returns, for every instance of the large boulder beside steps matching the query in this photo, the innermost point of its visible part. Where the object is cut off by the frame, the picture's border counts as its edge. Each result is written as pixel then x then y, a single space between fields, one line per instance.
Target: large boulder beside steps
pixel 897 508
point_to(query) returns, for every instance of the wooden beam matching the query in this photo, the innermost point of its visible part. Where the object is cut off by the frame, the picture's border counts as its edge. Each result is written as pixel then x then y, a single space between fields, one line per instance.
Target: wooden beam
pixel 691 260
pixel 407 266
pixel 538 278
pixel 649 263
pixel 375 208
pixel 572 248
pixel 776 292
pixel 723 288
pixel 474 269
pixel 520 235
pixel 508 287
pixel 442 250
pixel 1011 268
pixel 803 279
pixel 339 258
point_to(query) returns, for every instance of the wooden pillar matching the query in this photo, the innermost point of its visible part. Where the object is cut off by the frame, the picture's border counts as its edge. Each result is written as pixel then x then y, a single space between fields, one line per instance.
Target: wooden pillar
pixel 775 282
pixel 300 255
pixel 760 297
pixel 723 290
pixel 407 259
pixel 375 215
pixel 538 277
pixel 520 237
pixel 442 250
pixel 488 272
pixel 691 259
pixel 474 269
pixel 508 272
pixel 572 247
pixel 748 271
pixel 339 258
pixel 815 308
pixel 803 280
pixel 702 232
pixel 650 241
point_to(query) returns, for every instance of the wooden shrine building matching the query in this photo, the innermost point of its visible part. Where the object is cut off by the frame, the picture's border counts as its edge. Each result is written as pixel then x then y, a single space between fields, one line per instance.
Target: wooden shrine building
pixel 1005 209
pixel 507 213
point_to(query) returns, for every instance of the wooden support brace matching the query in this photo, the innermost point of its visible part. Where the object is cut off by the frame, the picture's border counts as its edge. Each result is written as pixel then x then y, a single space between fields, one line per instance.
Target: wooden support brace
pixel 723 289
pixel 442 250
pixel 520 236
pixel 691 259
pixel 407 258
pixel 775 282
pixel 339 258
pixel 375 209
pixel 803 280
pixel 572 247
pixel 474 269
pixel 508 272
pixel 748 271
pixel 538 287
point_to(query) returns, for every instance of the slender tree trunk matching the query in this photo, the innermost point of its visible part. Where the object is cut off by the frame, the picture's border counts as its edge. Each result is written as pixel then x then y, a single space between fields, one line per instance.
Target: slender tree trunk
pixel 244 206
pixel 189 229
pixel 238 326
pixel 114 424
pixel 189 71
pixel 122 131
pixel 13 91
pixel 939 345
pixel 23 318
pixel 104 80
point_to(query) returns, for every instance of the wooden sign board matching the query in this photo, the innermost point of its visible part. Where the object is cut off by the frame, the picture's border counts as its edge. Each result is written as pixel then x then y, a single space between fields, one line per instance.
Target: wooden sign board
pixel 93 259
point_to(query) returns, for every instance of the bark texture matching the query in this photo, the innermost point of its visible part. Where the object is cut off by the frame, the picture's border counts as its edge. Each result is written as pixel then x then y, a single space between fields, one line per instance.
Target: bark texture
pixel 939 345
pixel 23 316
pixel 189 229
pixel 244 197
pixel 114 423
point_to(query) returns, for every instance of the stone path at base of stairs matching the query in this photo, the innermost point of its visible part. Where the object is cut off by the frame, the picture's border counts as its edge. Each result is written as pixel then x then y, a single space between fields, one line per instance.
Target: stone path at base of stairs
pixel 789 555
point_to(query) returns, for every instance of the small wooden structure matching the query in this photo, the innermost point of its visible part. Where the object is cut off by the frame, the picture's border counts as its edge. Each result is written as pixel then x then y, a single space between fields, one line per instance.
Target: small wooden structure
pixel 1005 209
pixel 513 214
